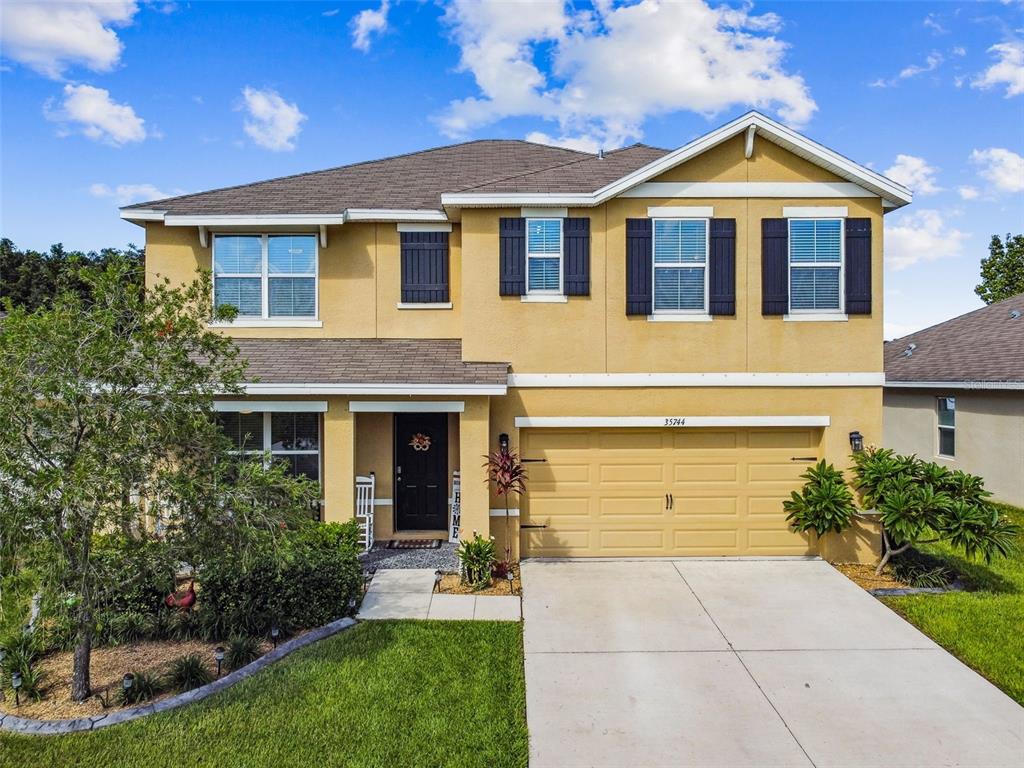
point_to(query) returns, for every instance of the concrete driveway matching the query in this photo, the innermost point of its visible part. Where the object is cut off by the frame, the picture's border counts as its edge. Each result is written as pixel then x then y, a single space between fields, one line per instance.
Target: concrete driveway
pixel 743 663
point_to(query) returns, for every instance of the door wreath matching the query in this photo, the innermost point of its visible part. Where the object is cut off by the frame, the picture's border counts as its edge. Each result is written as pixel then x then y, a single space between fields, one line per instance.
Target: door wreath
pixel 420 442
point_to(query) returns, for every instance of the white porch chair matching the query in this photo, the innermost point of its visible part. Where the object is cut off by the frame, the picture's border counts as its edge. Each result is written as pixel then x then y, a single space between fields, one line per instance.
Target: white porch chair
pixel 456 508
pixel 366 488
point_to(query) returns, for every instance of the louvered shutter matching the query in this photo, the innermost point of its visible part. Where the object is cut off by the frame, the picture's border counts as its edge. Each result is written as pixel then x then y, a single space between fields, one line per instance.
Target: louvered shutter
pixel 639 269
pixel 774 266
pixel 858 266
pixel 424 267
pixel 512 256
pixel 722 267
pixel 576 257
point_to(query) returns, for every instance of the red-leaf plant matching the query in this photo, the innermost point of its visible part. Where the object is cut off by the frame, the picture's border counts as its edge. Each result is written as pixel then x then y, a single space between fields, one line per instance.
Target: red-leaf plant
pixel 505 469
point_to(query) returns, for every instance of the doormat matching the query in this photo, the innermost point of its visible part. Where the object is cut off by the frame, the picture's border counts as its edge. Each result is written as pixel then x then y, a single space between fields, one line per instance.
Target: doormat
pixel 414 544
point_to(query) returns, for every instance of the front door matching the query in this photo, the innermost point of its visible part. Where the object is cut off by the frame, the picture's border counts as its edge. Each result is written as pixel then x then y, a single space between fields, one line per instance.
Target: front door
pixel 421 471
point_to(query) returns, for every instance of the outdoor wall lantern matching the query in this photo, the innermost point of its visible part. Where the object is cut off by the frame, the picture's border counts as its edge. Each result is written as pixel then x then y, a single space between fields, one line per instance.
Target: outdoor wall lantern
pixel 16 685
pixel 218 654
pixel 503 441
pixel 856 441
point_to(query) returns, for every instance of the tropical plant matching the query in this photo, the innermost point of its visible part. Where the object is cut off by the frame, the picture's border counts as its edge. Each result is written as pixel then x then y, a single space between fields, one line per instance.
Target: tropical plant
pixel 476 557
pixel 188 672
pixel 21 651
pixel 824 504
pixel 127 627
pixel 241 650
pixel 921 503
pixel 145 685
pixel 505 469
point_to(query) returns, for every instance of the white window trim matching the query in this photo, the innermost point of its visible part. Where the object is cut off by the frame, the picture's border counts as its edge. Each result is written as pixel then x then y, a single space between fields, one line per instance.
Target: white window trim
pixel 424 305
pixel 678 317
pixel 266 319
pixel 544 298
pixel 269 454
pixel 809 316
pixel 664 315
pixel 940 427
pixel 561 256
pixel 817 314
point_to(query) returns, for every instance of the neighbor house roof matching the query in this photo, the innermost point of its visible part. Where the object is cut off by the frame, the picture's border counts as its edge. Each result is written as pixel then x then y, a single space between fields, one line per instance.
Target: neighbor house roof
pixel 983 349
pixel 367 366
pixel 434 184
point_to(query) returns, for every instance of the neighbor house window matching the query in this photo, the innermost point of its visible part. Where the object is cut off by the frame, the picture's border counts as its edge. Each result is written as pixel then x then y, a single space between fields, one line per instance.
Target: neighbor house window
pixel 947 426
pixel 293 438
pixel 544 256
pixel 680 265
pixel 266 276
pixel 815 265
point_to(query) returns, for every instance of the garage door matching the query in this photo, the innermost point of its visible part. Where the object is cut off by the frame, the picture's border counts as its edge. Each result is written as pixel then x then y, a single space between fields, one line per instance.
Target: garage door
pixel 630 492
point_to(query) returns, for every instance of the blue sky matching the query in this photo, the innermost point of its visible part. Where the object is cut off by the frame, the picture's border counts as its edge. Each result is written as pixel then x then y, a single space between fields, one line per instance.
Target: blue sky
pixel 120 101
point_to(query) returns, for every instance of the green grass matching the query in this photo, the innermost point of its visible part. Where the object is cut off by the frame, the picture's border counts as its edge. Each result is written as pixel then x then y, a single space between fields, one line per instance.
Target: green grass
pixel 983 628
pixel 387 693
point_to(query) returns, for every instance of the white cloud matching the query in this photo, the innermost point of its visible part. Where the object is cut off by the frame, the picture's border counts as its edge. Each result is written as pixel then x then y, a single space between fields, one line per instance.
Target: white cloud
pixel 272 122
pixel 1008 70
pixel 959 50
pixel 1002 167
pixel 51 36
pixel 914 173
pixel 920 236
pixel 931 63
pixel 331 12
pixel 967 193
pixel 607 70
pixel 930 22
pixel 126 194
pixel 368 24
pixel 580 143
pixel 92 112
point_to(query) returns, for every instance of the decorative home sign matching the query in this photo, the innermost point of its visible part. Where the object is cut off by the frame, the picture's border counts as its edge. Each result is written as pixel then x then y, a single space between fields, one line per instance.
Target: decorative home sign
pixel 456 502
pixel 420 442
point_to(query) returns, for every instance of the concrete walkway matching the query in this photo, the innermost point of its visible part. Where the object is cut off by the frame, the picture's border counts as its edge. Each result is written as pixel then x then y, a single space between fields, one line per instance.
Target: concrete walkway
pixel 744 663
pixel 408 593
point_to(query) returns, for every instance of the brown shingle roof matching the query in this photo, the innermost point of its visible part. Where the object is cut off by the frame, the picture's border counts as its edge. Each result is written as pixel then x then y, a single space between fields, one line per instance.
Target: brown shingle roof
pixel 366 361
pixel 986 345
pixel 416 181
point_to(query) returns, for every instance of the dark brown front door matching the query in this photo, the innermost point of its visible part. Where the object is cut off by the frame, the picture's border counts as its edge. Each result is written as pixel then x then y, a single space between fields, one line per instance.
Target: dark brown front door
pixel 421 471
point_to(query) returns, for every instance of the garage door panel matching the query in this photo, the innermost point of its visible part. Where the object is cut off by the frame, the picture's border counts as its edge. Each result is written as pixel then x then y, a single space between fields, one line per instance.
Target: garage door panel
pixel 608 497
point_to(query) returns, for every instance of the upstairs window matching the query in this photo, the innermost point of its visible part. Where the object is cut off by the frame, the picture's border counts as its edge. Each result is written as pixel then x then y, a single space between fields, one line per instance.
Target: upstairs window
pixel 266 276
pixel 544 256
pixel 947 426
pixel 680 265
pixel 815 265
pixel 293 438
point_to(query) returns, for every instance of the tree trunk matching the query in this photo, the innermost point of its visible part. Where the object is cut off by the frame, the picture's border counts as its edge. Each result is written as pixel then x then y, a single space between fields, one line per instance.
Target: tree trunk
pixel 80 687
pixel 508 536
pixel 889 552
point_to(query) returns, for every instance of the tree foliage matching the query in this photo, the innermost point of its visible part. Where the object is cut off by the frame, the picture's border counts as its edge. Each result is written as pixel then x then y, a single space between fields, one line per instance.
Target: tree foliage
pixel 1002 273
pixel 824 504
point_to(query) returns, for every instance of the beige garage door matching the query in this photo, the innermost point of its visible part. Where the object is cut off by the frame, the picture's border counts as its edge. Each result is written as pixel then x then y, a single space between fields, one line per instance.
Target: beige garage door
pixel 629 492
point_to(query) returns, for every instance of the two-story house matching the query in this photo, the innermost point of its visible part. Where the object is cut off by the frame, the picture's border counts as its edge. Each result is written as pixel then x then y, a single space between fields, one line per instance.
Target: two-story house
pixel 669 338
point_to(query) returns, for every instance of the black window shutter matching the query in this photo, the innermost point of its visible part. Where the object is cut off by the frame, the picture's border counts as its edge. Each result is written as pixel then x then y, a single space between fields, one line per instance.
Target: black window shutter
pixel 512 257
pixel 576 257
pixel 638 267
pixel 722 269
pixel 774 266
pixel 424 267
pixel 858 266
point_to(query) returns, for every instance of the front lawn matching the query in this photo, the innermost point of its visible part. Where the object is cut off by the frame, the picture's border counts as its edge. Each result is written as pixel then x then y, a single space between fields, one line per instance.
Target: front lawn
pixel 388 693
pixel 983 628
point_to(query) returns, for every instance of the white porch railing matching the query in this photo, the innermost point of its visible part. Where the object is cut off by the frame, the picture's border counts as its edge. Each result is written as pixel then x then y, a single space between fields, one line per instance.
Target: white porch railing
pixel 366 488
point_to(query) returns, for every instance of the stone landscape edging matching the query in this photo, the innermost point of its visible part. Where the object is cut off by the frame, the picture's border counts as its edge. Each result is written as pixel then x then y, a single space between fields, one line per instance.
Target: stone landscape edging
pixel 13 723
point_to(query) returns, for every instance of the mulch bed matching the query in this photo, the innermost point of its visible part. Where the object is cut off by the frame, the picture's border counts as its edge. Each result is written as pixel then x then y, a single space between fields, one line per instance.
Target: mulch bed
pixel 107 667
pixel 452 585
pixel 863 575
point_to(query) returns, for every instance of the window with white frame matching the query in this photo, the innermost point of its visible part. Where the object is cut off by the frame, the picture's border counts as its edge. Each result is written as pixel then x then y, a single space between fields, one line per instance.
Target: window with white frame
pixel 544 256
pixel 293 438
pixel 946 407
pixel 266 276
pixel 815 265
pixel 680 265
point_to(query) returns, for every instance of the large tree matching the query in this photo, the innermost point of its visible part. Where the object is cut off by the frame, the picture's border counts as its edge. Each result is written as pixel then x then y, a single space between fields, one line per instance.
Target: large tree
pixel 104 393
pixel 1002 273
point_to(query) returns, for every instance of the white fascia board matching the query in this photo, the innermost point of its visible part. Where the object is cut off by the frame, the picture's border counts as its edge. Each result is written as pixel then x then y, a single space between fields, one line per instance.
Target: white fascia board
pixel 947 385
pixel 765 189
pixel 413 226
pixel 141 214
pixel 393 214
pixel 522 199
pixel 589 380
pixel 670 422
pixel 274 406
pixel 269 220
pixel 681 211
pixel 375 389
pixel 815 212
pixel 406 406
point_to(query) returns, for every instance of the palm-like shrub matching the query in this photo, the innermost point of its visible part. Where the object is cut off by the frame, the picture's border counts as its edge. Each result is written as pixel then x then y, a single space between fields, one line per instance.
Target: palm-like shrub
pixel 476 557
pixel 188 672
pixel 824 504
pixel 241 650
pixel 144 687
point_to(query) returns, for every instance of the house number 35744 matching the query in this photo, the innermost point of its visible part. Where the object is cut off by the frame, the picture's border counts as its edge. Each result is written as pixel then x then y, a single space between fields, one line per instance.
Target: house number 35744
pixel 674 421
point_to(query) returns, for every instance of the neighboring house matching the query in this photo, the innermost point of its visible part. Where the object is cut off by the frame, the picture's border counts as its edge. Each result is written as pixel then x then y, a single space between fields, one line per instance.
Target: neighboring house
pixel 954 393
pixel 670 338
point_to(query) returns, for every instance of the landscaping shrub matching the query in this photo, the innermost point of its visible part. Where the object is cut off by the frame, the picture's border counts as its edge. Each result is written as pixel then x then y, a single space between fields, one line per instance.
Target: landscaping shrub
pixel 185 625
pixel 145 686
pixel 188 672
pixel 127 627
pixel 21 651
pixel 241 650
pixel 159 625
pixel 476 559
pixel 824 504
